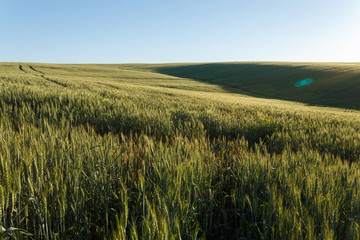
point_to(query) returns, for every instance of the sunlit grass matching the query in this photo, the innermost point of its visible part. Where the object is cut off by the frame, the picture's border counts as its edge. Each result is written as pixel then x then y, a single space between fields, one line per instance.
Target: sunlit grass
pixel 114 151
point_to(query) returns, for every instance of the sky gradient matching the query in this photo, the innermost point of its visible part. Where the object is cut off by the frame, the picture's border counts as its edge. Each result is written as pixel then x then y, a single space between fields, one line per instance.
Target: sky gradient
pixel 153 31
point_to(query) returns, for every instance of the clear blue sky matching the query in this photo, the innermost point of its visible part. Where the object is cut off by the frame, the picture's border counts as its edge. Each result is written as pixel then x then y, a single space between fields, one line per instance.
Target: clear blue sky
pixel 109 31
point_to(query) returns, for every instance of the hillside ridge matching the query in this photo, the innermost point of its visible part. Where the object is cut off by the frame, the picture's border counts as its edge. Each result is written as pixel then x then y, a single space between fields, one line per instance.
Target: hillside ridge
pixel 334 84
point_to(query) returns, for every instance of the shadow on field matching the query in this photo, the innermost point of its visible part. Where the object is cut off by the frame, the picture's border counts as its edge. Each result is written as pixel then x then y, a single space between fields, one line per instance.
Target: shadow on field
pixel 332 87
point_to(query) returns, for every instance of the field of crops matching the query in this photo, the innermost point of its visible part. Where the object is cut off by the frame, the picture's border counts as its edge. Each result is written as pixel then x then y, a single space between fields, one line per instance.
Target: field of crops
pixel 333 84
pixel 134 152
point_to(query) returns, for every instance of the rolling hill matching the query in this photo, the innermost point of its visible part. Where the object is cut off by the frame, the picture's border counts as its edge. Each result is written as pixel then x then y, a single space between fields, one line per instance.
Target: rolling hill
pixel 334 84
pixel 179 151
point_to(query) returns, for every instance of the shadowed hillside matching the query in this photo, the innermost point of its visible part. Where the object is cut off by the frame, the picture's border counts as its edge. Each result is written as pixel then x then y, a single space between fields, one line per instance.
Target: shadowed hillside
pixel 335 84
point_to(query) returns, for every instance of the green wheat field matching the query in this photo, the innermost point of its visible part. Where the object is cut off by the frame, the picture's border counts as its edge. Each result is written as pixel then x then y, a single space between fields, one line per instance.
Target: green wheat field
pixel 179 151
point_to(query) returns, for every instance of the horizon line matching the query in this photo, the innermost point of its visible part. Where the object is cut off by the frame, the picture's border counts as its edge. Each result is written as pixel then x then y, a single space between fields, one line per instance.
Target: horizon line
pixel 185 62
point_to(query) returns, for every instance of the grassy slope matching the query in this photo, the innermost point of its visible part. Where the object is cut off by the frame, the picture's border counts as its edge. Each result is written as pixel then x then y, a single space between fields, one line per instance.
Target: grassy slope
pixel 335 84
pixel 84 145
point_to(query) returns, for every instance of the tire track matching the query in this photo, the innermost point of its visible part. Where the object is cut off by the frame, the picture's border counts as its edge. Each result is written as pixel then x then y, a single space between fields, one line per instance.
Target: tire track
pixel 109 85
pixel 34 69
pixel 42 75
pixel 21 68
